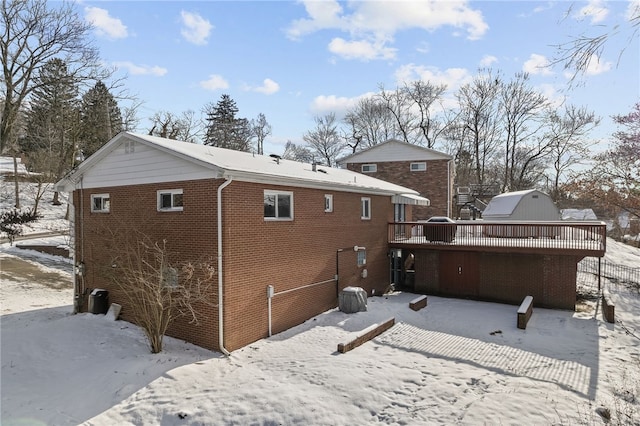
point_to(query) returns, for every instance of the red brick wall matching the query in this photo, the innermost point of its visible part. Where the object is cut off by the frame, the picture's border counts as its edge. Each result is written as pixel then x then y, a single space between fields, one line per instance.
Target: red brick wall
pixel 434 183
pixel 508 278
pixel 190 235
pixel 256 253
pixel 293 254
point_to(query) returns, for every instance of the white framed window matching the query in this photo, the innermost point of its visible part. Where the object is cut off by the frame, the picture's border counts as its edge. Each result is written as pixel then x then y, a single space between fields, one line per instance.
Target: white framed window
pixel 369 168
pixel 170 200
pixel 362 257
pixel 418 167
pixel 328 203
pixel 365 208
pixel 278 205
pixel 100 203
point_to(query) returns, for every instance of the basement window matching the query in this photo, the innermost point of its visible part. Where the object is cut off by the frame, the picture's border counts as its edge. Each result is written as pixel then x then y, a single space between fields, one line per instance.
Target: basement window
pixel 278 205
pixel 170 200
pixel 369 168
pixel 362 257
pixel 100 203
pixel 418 167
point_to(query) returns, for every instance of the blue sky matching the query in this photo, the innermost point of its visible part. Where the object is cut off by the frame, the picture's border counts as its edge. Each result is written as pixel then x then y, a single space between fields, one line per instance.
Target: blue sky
pixel 295 60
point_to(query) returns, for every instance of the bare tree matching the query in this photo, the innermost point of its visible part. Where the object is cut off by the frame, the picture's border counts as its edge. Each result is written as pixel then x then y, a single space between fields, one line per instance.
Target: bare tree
pixel 522 109
pixel 477 123
pixel 425 96
pixel 260 128
pixel 370 123
pixel 156 289
pixel 578 54
pixel 324 140
pixel 567 134
pixel 399 105
pixel 297 153
pixel 32 34
pixel 184 127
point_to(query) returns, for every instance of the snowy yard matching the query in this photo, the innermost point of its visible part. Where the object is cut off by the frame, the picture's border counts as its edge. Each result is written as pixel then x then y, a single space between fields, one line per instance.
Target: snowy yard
pixel 453 362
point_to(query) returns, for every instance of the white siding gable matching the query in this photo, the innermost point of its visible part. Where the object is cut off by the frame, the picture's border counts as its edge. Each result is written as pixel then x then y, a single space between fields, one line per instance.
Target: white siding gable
pixel 146 164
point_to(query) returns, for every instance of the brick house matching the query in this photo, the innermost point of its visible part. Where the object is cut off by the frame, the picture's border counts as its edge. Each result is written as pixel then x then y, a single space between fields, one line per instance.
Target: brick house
pixel 302 230
pixel 426 170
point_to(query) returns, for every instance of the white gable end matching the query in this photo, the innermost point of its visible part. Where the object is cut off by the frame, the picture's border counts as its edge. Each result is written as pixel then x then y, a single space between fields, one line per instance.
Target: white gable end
pixel 131 163
pixel 394 151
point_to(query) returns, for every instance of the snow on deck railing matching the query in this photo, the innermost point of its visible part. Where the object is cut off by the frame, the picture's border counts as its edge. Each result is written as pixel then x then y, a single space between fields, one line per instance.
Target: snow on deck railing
pixel 561 235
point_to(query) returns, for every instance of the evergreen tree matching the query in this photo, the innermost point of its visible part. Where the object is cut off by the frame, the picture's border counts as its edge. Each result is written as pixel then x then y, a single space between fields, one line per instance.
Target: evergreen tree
pixel 224 129
pixel 101 118
pixel 53 120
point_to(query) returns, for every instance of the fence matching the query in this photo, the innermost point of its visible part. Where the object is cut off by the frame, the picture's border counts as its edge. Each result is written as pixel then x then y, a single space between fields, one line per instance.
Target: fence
pixel 610 272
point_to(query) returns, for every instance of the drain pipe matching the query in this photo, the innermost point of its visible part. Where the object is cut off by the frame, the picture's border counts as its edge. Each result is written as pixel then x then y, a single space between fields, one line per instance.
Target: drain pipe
pixel 220 300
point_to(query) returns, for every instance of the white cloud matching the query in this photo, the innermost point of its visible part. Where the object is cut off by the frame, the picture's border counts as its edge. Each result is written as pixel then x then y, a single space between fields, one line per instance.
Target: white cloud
pixel 104 24
pixel 595 10
pixel 362 50
pixel 451 77
pixel 537 64
pixel 134 69
pixel 332 104
pixel 195 29
pixel 215 82
pixel 488 60
pixel 554 95
pixel 377 22
pixel 597 66
pixel 269 87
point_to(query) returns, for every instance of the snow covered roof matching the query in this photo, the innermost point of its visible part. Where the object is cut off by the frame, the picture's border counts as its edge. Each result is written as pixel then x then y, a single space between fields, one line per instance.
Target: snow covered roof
pixel 529 205
pixel 243 166
pixel 394 150
pixel 578 214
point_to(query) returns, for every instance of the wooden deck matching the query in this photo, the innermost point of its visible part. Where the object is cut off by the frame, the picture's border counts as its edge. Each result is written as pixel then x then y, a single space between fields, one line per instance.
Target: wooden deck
pixel 562 237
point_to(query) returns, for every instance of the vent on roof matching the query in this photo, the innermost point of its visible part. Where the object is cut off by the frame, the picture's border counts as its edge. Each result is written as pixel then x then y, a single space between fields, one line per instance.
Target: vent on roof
pixel 276 158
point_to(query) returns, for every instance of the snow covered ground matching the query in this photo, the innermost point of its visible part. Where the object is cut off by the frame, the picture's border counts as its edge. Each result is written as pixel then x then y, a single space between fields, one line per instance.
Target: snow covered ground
pixel 454 362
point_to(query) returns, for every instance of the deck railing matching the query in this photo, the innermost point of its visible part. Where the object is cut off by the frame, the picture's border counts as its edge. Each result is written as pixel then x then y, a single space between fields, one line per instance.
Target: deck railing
pixel 536 236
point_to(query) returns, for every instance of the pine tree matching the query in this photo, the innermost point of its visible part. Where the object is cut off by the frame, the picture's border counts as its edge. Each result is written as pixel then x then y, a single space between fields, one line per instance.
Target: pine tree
pixel 101 118
pixel 53 120
pixel 224 129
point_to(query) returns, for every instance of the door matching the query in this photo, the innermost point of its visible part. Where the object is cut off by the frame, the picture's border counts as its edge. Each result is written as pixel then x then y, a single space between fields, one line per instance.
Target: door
pixel 459 273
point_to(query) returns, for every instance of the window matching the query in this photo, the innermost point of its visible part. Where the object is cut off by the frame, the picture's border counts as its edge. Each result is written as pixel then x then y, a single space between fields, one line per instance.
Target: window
pixel 369 168
pixel 362 257
pixel 278 205
pixel 170 200
pixel 328 203
pixel 100 203
pixel 170 277
pixel 129 147
pixel 418 167
pixel 366 208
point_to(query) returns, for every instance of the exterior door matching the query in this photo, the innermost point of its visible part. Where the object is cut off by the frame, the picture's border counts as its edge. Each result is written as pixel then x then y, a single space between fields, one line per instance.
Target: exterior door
pixel 459 273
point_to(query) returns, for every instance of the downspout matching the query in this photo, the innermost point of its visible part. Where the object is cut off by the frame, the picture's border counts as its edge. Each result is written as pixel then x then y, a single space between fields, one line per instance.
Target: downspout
pixel 220 299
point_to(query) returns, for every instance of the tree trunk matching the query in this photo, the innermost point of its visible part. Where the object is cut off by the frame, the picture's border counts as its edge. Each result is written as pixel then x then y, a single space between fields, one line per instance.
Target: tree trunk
pixel 15 180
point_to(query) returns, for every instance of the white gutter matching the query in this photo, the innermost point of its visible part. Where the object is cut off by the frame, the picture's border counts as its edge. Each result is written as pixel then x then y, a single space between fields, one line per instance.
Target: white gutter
pixel 449 184
pixel 220 300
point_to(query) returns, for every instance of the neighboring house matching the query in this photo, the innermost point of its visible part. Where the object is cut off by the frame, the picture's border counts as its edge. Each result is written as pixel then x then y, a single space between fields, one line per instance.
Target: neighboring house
pixel 529 205
pixel 427 171
pixel 265 222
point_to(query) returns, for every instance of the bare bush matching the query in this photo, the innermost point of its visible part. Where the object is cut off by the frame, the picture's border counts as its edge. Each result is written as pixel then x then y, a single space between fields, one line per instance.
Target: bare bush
pixel 157 290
